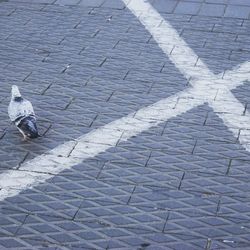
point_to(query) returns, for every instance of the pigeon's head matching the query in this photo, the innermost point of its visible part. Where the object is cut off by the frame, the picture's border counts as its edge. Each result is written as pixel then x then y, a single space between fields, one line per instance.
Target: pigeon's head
pixel 15 92
pixel 28 127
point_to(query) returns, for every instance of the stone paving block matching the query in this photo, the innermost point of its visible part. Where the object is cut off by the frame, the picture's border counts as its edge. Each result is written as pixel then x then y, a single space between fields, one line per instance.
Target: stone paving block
pixel 176 18
pixel 238 11
pixel 224 28
pixel 187 8
pixel 91 3
pixel 212 10
pixel 217 1
pixel 34 1
pixel 166 6
pixel 114 4
pixel 67 2
pixel 7 11
pixel 239 2
pixel 239 55
pixel 10 243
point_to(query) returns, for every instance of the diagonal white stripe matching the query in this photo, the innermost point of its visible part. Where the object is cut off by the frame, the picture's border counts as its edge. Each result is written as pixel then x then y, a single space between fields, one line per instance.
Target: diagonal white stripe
pixel 169 40
pixel 205 83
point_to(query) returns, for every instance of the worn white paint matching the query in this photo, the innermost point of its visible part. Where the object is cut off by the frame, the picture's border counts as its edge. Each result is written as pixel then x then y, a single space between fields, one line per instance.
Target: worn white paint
pixel 206 87
pixel 205 83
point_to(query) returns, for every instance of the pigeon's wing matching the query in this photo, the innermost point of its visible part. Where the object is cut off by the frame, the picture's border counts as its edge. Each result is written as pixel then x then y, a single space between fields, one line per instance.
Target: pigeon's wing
pixel 20 109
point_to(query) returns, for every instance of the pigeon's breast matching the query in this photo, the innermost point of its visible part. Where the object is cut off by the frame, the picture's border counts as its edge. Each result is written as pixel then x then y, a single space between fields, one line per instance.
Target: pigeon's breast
pixel 19 109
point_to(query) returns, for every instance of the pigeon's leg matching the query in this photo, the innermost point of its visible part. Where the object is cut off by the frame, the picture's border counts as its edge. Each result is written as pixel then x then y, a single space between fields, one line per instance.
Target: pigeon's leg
pixel 25 138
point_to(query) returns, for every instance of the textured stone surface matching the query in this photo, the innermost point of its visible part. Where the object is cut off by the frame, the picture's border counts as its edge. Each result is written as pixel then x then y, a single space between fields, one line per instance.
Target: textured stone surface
pixel 83 64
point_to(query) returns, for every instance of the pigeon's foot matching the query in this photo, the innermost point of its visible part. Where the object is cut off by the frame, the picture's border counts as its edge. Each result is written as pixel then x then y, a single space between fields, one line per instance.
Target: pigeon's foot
pixel 25 139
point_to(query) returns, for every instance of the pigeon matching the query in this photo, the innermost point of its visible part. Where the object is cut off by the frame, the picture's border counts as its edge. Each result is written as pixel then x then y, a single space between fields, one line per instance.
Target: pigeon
pixel 21 112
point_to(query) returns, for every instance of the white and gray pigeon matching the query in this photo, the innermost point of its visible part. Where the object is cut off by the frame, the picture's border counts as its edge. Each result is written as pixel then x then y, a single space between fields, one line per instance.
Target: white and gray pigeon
pixel 22 114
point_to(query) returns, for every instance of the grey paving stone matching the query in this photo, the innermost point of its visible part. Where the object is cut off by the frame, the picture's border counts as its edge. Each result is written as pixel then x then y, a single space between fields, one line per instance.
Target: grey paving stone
pixel 187 8
pixel 166 6
pixel 10 243
pixel 220 27
pixel 91 3
pixel 34 1
pixel 212 10
pixel 239 2
pixel 237 11
pixel 114 4
pixel 44 229
pixel 70 226
pixel 217 1
pixel 196 1
pixel 62 238
pixel 67 2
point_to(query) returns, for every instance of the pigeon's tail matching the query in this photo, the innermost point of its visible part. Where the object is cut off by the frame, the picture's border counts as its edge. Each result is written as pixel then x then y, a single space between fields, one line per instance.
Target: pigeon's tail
pixel 15 93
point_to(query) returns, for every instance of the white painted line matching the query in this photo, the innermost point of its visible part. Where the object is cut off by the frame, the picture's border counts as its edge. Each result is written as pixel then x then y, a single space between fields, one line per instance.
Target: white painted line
pixel 206 87
pixel 168 40
pixel 204 82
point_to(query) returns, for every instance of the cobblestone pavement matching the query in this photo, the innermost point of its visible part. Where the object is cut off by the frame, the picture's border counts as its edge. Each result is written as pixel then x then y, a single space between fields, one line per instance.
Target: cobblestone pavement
pixel 84 63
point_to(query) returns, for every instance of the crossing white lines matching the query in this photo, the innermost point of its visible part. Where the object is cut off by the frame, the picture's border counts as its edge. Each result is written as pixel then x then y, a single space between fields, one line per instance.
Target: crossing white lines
pixel 206 88
pixel 204 82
